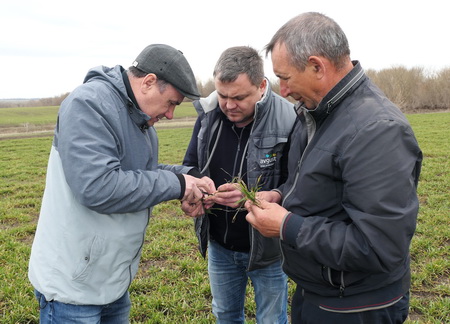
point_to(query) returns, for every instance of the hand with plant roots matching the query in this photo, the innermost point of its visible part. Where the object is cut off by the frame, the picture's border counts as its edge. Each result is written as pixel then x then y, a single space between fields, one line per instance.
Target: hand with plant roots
pixel 266 218
pixel 192 209
pixel 196 188
pixel 193 203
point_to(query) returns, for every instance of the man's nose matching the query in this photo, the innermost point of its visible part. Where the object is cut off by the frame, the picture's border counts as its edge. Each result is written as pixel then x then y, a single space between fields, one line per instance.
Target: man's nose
pixel 284 89
pixel 169 113
pixel 231 104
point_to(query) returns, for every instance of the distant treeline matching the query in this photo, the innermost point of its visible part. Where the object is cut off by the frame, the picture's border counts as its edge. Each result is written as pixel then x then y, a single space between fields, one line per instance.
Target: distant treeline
pixel 410 89
pixel 54 101
pixel 414 89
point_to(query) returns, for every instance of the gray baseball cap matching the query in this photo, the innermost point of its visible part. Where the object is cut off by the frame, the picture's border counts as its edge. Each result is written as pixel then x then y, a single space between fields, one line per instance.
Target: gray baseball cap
pixel 170 65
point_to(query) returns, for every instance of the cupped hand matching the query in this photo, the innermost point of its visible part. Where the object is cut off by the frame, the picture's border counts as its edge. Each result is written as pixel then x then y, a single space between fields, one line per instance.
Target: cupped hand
pixel 270 196
pixel 266 218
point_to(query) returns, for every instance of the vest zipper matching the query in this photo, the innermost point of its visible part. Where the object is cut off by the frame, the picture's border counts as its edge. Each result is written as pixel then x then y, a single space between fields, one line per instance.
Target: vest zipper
pixel 238 149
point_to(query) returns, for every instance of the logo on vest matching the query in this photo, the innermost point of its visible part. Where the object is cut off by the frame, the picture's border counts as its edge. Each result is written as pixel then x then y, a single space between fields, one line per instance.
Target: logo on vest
pixel 268 160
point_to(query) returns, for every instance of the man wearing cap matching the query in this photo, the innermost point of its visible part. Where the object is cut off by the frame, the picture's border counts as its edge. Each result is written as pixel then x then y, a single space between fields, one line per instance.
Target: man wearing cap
pixel 103 179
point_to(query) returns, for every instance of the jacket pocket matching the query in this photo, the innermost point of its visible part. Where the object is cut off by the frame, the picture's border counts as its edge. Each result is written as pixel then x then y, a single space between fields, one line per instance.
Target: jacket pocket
pixel 88 257
pixel 267 161
pixel 269 151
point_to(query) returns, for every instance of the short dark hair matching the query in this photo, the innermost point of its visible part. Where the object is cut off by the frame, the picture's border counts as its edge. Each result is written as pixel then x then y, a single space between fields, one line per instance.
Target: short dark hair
pixel 237 60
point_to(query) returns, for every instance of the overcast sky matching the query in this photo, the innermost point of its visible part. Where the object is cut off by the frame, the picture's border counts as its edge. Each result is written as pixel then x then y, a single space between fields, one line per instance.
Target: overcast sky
pixel 47 46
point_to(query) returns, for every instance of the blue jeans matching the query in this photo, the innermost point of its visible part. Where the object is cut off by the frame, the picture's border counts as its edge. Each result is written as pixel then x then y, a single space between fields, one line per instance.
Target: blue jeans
pixel 56 312
pixel 304 312
pixel 228 279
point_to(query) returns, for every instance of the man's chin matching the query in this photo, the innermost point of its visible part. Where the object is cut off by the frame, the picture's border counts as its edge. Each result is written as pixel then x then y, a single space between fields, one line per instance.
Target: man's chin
pixel 152 122
pixel 241 122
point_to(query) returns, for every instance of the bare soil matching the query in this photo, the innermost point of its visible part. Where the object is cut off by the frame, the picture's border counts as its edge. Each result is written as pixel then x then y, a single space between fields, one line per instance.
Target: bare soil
pixel 7 133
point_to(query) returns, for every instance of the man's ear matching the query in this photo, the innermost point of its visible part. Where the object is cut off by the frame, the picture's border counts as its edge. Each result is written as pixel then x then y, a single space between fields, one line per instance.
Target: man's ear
pixel 318 66
pixel 148 82
pixel 263 85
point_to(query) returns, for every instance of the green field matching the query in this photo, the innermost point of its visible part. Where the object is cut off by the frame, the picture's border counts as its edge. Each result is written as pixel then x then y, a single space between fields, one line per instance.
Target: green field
pixel 172 283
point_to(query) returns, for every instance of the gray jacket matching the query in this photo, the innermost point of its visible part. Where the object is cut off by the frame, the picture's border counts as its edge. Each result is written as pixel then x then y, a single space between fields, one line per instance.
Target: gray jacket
pixel 274 118
pixel 102 180
pixel 352 196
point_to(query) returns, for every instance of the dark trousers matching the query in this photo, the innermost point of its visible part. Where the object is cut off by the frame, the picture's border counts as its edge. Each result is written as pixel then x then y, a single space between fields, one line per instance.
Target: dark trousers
pixel 303 312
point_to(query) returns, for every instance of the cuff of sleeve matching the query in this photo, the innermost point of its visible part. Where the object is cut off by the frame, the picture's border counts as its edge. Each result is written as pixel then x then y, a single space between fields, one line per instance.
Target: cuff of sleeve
pixel 290 227
pixel 279 192
pixel 182 185
pixel 195 173
pixel 276 190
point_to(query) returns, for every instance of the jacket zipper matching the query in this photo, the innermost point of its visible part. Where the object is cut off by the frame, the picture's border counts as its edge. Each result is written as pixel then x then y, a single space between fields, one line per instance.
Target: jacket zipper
pixel 311 130
pixel 252 230
pixel 297 174
pixel 238 149
pixel 342 286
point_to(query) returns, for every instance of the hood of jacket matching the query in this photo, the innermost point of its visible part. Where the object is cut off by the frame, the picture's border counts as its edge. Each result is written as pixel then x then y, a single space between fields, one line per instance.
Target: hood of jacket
pixel 113 77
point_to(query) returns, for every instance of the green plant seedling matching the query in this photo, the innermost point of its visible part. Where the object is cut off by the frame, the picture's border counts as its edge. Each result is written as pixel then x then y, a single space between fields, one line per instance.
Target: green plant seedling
pixel 248 193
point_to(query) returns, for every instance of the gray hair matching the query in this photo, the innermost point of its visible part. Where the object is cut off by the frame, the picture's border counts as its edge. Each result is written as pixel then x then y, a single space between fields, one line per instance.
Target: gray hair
pixel 162 84
pixel 237 60
pixel 312 34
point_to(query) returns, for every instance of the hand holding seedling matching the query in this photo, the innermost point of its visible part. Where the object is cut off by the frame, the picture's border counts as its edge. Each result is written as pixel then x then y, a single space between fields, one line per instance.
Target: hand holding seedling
pixel 270 196
pixel 192 209
pixel 227 194
pixel 192 203
pixel 266 218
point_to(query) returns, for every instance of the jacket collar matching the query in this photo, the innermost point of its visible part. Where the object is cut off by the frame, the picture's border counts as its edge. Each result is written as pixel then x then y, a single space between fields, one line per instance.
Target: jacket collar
pixel 135 112
pixel 261 106
pixel 338 93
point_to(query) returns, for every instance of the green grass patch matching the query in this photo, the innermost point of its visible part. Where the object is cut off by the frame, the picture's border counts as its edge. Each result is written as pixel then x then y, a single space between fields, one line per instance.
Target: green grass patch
pixel 28 115
pixel 186 109
pixel 172 283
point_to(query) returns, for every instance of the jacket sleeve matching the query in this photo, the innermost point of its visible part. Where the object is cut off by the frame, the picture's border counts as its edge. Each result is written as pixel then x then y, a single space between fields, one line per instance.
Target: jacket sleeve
pixel 380 169
pixel 87 141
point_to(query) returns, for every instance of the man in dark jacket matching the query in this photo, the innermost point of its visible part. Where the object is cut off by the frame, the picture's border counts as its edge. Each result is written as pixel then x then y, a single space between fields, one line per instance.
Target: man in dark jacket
pixel 349 207
pixel 242 131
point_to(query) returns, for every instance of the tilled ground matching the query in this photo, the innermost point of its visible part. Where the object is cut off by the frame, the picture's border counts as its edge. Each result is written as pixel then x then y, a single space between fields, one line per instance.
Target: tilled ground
pixel 30 131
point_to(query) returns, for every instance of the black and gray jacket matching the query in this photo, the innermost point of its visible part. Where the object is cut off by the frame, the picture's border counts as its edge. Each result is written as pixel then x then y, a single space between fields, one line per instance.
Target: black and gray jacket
pixel 352 196
pixel 259 156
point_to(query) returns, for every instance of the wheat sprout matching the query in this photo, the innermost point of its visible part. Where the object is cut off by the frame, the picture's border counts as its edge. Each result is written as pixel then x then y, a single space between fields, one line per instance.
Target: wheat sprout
pixel 248 193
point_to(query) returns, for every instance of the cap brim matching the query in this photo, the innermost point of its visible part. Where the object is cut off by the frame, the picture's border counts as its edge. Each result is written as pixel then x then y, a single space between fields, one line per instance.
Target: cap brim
pixel 189 95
